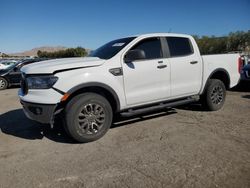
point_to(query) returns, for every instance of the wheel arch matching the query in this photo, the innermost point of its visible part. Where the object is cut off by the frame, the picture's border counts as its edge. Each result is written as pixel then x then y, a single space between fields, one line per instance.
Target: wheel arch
pixel 98 88
pixel 220 74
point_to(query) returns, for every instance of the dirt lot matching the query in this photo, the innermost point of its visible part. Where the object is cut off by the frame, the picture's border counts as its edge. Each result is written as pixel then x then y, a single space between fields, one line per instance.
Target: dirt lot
pixel 185 147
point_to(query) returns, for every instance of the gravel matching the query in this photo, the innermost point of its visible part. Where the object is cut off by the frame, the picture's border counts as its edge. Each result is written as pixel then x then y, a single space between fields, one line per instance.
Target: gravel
pixel 183 147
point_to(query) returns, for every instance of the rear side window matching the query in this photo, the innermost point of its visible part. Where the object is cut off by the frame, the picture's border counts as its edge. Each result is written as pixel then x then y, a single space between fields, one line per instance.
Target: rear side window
pixel 151 47
pixel 179 46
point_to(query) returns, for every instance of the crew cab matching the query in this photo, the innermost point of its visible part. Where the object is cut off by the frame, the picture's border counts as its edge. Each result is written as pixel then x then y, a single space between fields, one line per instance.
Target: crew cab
pixel 126 76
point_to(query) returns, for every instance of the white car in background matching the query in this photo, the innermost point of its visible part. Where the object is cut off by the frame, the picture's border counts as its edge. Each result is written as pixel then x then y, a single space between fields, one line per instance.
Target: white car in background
pixel 6 64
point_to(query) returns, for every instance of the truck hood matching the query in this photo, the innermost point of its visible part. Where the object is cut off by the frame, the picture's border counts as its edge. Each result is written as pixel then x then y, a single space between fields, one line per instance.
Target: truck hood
pixel 57 65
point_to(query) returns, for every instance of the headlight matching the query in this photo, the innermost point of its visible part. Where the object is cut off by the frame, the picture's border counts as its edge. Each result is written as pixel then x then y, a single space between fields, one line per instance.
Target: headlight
pixel 41 82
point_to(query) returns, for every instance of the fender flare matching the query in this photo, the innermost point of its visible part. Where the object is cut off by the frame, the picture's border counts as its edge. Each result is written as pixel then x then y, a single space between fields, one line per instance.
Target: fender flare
pixel 99 85
pixel 212 73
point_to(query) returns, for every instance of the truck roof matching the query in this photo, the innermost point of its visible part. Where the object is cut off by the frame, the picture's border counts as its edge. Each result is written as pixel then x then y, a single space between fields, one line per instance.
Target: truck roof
pixel 162 35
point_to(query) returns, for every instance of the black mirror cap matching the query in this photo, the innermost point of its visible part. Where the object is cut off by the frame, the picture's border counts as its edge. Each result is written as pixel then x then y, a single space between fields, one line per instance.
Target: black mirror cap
pixel 133 55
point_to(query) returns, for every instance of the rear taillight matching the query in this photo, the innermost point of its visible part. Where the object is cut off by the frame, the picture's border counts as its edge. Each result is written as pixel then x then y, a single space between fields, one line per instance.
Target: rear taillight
pixel 240 64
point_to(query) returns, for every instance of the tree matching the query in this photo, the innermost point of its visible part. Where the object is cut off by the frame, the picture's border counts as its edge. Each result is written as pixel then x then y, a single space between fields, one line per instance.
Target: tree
pixel 70 52
pixel 234 41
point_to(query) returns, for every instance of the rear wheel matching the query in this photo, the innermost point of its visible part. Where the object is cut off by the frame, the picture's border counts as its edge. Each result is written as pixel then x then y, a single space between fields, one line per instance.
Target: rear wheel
pixel 214 96
pixel 88 117
pixel 3 83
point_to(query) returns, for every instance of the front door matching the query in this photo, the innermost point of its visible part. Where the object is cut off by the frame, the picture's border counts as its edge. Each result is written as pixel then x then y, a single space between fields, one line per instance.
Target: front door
pixel 147 80
pixel 15 76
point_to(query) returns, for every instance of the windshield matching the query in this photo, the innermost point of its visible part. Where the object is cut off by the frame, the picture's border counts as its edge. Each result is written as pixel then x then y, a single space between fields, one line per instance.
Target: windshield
pixel 7 65
pixel 12 66
pixel 111 49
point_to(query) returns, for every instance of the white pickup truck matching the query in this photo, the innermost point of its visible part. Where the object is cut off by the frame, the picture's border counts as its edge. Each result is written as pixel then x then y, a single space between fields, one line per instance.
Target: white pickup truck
pixel 126 76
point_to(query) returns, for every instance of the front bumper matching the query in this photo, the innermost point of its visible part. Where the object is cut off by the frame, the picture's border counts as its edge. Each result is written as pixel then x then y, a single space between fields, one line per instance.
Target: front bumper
pixel 42 113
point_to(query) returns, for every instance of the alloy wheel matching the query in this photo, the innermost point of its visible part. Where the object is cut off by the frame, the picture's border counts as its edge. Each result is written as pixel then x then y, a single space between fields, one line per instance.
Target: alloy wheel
pixel 217 95
pixel 2 84
pixel 91 118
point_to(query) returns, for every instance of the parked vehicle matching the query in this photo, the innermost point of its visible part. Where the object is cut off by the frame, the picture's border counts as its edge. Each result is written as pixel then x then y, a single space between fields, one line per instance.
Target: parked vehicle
pixel 245 73
pixel 127 76
pixel 12 75
pixel 3 66
pixel 6 64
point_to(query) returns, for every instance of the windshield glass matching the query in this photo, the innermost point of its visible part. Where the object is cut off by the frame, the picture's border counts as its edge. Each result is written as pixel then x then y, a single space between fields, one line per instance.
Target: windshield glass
pixel 7 65
pixel 111 49
pixel 12 66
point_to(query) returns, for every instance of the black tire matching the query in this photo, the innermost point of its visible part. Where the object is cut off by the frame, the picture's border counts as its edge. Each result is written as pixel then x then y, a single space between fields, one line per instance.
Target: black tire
pixel 3 83
pixel 88 117
pixel 214 96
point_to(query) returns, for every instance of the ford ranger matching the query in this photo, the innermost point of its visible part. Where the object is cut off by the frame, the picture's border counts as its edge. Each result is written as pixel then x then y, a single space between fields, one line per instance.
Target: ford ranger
pixel 126 76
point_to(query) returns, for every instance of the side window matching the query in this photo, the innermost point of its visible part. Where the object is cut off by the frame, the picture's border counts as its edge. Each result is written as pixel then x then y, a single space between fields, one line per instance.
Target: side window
pixel 151 47
pixel 179 46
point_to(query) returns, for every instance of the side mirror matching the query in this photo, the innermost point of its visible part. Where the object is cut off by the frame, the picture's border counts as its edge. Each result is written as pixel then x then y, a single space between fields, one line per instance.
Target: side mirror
pixel 133 55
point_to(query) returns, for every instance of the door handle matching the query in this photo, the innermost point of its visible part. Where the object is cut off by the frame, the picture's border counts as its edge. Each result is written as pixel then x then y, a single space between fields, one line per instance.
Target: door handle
pixel 160 62
pixel 161 66
pixel 193 62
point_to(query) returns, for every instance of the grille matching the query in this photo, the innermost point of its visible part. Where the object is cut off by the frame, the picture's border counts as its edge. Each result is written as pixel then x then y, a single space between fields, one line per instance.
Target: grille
pixel 24 86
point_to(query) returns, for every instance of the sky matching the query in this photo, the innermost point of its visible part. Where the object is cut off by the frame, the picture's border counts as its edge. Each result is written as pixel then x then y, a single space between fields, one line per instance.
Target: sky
pixel 26 24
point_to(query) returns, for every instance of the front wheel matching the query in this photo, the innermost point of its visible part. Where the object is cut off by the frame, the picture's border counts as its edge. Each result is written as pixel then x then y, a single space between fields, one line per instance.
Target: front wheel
pixel 3 83
pixel 88 117
pixel 214 96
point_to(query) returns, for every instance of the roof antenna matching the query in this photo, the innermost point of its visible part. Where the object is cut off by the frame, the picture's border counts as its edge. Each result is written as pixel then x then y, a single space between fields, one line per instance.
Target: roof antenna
pixel 170 29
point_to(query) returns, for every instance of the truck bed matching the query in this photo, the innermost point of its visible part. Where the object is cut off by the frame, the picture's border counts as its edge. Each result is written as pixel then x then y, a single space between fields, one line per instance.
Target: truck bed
pixel 228 62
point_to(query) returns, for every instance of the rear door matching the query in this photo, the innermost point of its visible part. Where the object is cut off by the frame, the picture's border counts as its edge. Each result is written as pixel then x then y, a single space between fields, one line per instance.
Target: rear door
pixel 186 67
pixel 147 80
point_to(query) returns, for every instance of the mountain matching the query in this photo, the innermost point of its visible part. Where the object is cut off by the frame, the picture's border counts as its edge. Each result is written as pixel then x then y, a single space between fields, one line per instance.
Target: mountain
pixel 34 51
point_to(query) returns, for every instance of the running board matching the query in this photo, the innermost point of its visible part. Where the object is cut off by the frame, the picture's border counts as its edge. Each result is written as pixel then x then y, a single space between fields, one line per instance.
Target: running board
pixel 134 112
